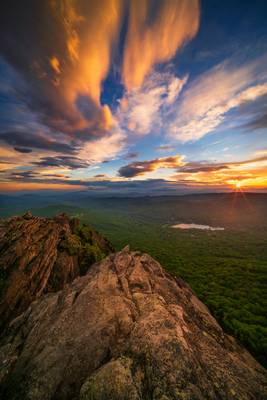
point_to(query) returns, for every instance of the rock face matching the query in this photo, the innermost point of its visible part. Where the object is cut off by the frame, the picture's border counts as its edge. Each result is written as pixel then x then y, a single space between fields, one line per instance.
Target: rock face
pixel 126 330
pixel 39 255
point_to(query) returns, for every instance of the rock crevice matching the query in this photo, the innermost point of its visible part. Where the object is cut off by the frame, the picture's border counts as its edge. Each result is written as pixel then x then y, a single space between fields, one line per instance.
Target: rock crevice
pixel 40 255
pixel 127 330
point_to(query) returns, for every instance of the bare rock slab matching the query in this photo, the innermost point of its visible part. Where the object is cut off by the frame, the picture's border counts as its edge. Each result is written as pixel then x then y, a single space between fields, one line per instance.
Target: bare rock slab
pixel 127 330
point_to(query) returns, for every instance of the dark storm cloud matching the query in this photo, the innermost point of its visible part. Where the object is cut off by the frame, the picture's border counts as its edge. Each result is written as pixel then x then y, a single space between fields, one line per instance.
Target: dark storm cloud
pixel 141 167
pixel 23 150
pixel 23 175
pixel 32 176
pixel 135 169
pixel 28 141
pixel 63 161
pixel 29 35
pixel 138 168
pixel 55 176
pixel 100 176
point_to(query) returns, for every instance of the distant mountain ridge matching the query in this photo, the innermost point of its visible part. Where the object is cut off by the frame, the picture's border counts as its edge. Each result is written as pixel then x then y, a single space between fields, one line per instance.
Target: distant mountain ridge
pixel 125 330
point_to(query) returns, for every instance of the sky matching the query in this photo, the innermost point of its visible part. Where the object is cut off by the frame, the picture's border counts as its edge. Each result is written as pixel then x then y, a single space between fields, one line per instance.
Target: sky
pixel 167 95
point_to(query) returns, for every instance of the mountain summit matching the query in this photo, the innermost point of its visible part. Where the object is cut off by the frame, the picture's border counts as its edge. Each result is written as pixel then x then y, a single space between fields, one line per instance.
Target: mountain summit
pixel 126 330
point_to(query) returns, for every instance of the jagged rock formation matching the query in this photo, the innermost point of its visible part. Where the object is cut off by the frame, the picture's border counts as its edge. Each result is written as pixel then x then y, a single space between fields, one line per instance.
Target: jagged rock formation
pixel 39 255
pixel 126 330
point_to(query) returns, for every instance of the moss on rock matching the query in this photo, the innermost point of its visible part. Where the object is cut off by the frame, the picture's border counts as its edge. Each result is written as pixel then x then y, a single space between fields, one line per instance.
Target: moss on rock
pixel 111 382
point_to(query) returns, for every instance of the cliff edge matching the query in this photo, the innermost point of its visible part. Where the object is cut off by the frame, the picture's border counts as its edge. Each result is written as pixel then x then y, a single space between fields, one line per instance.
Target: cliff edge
pixel 40 255
pixel 127 330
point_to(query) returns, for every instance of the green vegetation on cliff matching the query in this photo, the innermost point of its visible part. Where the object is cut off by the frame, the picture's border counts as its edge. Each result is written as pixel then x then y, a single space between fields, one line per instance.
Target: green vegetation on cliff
pixel 40 255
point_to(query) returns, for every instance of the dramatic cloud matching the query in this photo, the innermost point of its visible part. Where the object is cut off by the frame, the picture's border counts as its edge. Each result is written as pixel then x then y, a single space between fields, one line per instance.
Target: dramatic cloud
pixel 54 58
pixel 142 167
pixel 72 61
pixel 143 109
pixel 196 167
pixel 23 150
pixel 155 35
pixel 250 172
pixel 24 142
pixel 209 97
pixel 64 75
pixel 88 84
pixel 103 149
pixel 23 175
pixel 63 161
pixel 246 172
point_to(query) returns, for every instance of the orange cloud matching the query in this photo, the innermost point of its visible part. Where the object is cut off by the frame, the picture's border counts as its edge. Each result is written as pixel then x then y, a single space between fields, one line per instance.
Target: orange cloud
pixel 80 39
pixel 97 34
pixel 147 43
pixel 91 32
pixel 55 64
pixel 251 173
pixel 139 168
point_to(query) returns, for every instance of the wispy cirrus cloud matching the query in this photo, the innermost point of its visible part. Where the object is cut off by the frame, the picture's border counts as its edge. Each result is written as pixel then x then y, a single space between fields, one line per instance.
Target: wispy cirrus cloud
pixel 154 39
pixel 205 102
pixel 186 110
pixel 144 109
pixel 105 148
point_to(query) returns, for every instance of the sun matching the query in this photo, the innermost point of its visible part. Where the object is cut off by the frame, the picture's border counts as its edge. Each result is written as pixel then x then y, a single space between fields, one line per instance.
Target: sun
pixel 238 185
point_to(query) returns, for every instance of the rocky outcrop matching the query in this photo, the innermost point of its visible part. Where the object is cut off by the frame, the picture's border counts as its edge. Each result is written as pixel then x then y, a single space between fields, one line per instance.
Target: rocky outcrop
pixel 39 255
pixel 126 330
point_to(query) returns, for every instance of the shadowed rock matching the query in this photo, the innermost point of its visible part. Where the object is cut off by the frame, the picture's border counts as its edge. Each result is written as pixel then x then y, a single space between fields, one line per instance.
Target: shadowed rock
pixel 39 255
pixel 126 330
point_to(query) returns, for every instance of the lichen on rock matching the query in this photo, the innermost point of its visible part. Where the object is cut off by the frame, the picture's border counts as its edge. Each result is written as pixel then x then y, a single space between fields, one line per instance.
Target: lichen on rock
pixel 112 381
pixel 40 255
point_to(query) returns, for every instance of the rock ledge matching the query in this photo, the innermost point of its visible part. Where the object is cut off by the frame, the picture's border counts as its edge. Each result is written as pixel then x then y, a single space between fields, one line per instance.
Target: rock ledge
pixel 127 330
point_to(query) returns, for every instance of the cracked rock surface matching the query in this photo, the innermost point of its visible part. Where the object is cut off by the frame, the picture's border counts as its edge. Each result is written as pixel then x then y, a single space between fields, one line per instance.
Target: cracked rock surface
pixel 127 330
pixel 40 255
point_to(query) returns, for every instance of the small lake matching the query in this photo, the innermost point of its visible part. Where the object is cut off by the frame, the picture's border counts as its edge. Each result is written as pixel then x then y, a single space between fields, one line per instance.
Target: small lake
pixel 197 226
